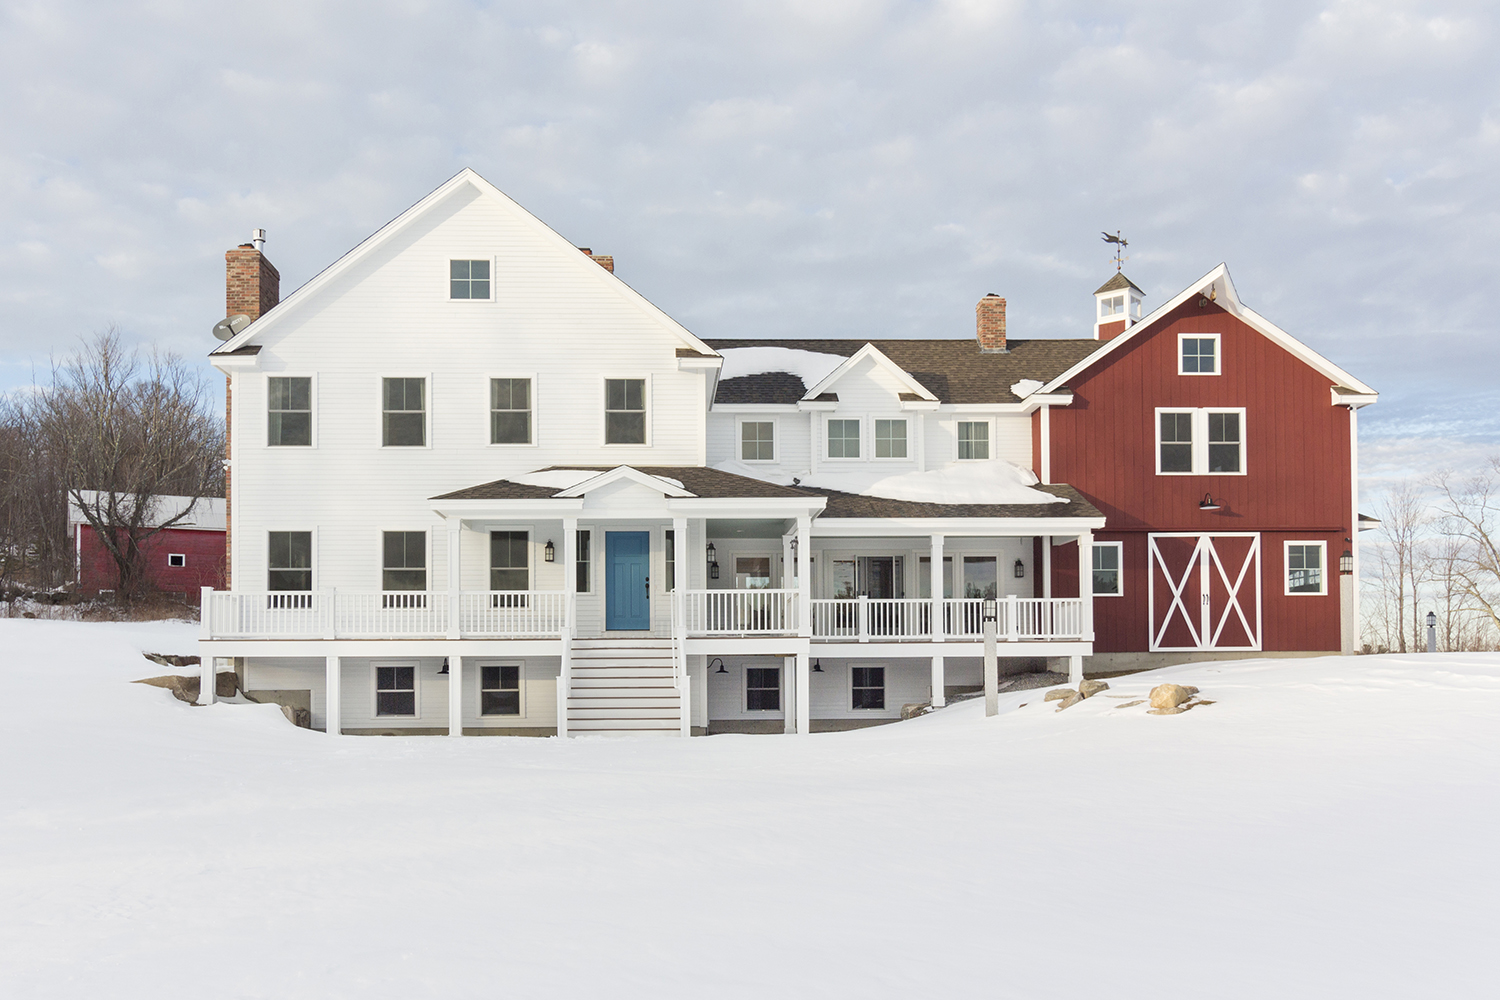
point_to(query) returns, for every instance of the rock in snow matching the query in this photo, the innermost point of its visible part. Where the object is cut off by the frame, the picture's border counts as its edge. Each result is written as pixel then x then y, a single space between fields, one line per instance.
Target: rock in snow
pixel 1090 688
pixel 1165 696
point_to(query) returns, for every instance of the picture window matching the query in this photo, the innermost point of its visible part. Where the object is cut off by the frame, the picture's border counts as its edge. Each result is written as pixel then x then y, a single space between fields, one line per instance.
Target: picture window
pixel 510 411
pixel 468 279
pixel 288 412
pixel 500 690
pixel 625 411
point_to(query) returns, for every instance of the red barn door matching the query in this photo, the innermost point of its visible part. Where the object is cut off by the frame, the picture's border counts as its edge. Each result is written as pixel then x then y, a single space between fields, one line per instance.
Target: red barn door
pixel 1205 591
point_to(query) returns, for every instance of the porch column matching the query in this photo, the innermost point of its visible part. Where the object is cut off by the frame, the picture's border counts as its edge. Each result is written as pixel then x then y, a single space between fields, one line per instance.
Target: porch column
pixel 789 710
pixel 804 576
pixel 208 680
pixel 1046 565
pixel 1086 582
pixel 804 694
pixel 938 700
pixel 455 577
pixel 570 571
pixel 939 620
pixel 455 690
pixel 680 577
pixel 334 702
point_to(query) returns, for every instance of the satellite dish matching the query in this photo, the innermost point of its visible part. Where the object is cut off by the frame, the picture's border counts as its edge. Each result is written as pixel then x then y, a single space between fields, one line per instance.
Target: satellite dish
pixel 230 326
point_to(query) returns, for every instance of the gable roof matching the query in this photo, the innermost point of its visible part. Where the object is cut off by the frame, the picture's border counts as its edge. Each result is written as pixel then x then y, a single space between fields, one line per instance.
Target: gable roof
pixel 1218 285
pixel 950 370
pixel 587 267
pixel 873 353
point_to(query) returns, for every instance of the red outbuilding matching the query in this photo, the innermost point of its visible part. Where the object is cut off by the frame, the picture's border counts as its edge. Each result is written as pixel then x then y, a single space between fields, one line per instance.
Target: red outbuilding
pixel 180 559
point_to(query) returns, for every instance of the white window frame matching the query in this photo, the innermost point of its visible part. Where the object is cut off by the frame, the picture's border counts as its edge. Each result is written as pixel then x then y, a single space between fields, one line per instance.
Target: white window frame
pixel 312 401
pixel 448 278
pixel 532 552
pixel 739 439
pixel 478 667
pixel 416 686
pixel 745 689
pixel 910 444
pixel 863 449
pixel 1111 300
pixel 426 413
pixel 1286 569
pixel 591 531
pixel 1200 438
pixel 177 565
pixel 266 534
pixel 488 435
pixel 990 440
pixel 380 559
pixel 1218 353
pixel 1119 548
pixel 885 686
pixel 603 398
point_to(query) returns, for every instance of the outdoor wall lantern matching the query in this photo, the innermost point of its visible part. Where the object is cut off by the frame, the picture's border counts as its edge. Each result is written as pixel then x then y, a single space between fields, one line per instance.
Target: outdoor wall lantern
pixel 713 562
pixel 991 609
pixel 1346 562
pixel 817 667
pixel 445 666
pixel 550 552
pixel 1209 503
pixel 1020 570
pixel 720 662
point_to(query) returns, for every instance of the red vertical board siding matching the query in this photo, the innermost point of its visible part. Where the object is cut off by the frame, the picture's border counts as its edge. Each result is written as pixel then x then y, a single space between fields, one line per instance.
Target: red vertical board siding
pixel 205 561
pixel 1296 485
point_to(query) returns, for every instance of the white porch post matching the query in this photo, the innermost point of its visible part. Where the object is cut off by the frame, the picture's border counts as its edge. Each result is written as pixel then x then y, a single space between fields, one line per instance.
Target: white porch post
pixel 455 577
pixel 333 695
pixel 1086 595
pixel 939 620
pixel 938 699
pixel 1047 566
pixel 455 690
pixel 208 681
pixel 570 571
pixel 804 576
pixel 789 710
pixel 804 695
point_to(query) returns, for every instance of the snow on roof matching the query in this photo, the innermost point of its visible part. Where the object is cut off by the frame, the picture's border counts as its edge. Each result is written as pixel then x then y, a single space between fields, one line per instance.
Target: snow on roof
pixel 993 482
pixel 207 513
pixel 809 366
pixel 1026 387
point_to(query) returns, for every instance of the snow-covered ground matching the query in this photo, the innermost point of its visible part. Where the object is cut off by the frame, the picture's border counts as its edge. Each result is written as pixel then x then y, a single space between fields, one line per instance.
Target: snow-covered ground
pixel 1326 829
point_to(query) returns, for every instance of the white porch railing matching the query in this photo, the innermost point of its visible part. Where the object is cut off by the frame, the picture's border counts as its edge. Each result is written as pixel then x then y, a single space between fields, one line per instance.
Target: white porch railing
pixel 740 612
pixel 907 619
pixel 382 615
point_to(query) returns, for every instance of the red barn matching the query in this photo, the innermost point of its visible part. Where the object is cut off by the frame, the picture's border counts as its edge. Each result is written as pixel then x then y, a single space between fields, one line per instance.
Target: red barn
pixel 1224 454
pixel 177 560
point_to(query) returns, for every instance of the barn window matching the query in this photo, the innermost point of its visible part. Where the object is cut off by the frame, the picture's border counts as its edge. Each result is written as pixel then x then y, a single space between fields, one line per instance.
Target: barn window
pixel 1107 569
pixel 1198 354
pixel 176 560
pixel 1200 442
pixel 1304 568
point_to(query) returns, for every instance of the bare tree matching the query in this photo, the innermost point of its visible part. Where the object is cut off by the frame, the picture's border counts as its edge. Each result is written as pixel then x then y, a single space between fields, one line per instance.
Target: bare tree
pixel 119 430
pixel 1471 518
pixel 1403 515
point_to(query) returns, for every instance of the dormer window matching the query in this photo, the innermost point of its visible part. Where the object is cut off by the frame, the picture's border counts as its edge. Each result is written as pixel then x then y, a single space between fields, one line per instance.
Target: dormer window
pixel 1198 354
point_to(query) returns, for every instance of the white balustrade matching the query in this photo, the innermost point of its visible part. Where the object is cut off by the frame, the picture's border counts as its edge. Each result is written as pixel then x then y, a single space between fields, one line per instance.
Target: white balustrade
pixel 894 620
pixel 740 612
pixel 513 613
pixel 388 614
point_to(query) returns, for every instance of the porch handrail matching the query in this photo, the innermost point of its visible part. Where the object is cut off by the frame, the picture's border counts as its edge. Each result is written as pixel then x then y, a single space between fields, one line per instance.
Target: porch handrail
pixel 750 611
pixel 236 614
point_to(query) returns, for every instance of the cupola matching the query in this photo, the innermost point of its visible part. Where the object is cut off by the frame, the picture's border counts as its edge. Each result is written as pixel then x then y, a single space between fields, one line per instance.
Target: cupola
pixel 1117 307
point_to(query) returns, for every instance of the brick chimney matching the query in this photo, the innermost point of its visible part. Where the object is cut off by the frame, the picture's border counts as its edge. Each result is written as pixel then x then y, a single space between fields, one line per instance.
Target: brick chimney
pixel 603 260
pixel 989 318
pixel 252 284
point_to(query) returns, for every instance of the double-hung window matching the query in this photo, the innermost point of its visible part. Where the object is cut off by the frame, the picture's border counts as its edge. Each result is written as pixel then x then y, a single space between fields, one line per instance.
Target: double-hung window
pixel 1200 442
pixel 1198 354
pixel 867 687
pixel 1304 568
pixel 510 411
pixel 890 439
pixel 468 279
pixel 758 441
pixel 510 567
pixel 288 412
pixel 763 689
pixel 973 440
pixel 403 412
pixel 843 439
pixel 289 569
pixel 1107 569
pixel 396 690
pixel 624 411
pixel 500 690
pixel 403 567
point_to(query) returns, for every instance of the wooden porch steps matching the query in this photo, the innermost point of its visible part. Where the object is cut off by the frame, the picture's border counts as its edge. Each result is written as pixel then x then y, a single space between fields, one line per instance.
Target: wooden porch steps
pixel 623 687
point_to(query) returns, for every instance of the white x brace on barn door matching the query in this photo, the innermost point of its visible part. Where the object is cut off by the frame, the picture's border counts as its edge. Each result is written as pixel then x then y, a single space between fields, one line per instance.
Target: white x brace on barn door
pixel 1205 591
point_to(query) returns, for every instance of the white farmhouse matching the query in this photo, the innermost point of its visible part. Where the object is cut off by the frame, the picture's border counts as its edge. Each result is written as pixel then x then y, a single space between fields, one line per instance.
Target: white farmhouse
pixel 479 485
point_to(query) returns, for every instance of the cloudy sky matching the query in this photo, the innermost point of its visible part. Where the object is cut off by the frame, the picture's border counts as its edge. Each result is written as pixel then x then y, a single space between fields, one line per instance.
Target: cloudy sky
pixel 806 168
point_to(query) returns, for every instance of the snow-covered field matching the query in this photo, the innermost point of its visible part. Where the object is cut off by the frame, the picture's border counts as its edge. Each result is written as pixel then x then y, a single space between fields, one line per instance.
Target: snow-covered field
pixel 1328 828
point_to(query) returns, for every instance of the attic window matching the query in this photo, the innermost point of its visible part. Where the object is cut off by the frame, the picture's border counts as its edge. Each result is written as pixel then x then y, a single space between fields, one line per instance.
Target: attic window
pixel 468 279
pixel 1198 354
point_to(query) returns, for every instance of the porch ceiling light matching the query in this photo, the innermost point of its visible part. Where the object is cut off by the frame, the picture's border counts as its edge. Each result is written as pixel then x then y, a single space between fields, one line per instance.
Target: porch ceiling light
pixel 1020 570
pixel 549 553
pixel 1209 503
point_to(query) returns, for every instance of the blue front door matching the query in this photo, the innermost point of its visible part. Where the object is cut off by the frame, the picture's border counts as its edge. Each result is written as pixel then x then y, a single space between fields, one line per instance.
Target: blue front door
pixel 627 575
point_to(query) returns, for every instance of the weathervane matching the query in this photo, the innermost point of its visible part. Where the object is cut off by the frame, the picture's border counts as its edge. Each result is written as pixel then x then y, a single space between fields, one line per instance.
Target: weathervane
pixel 1120 243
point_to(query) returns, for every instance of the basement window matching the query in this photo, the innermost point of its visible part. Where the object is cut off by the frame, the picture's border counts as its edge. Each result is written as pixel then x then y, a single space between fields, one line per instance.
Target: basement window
pixel 396 690
pixel 500 690
pixel 868 688
pixel 176 560
pixel 763 689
